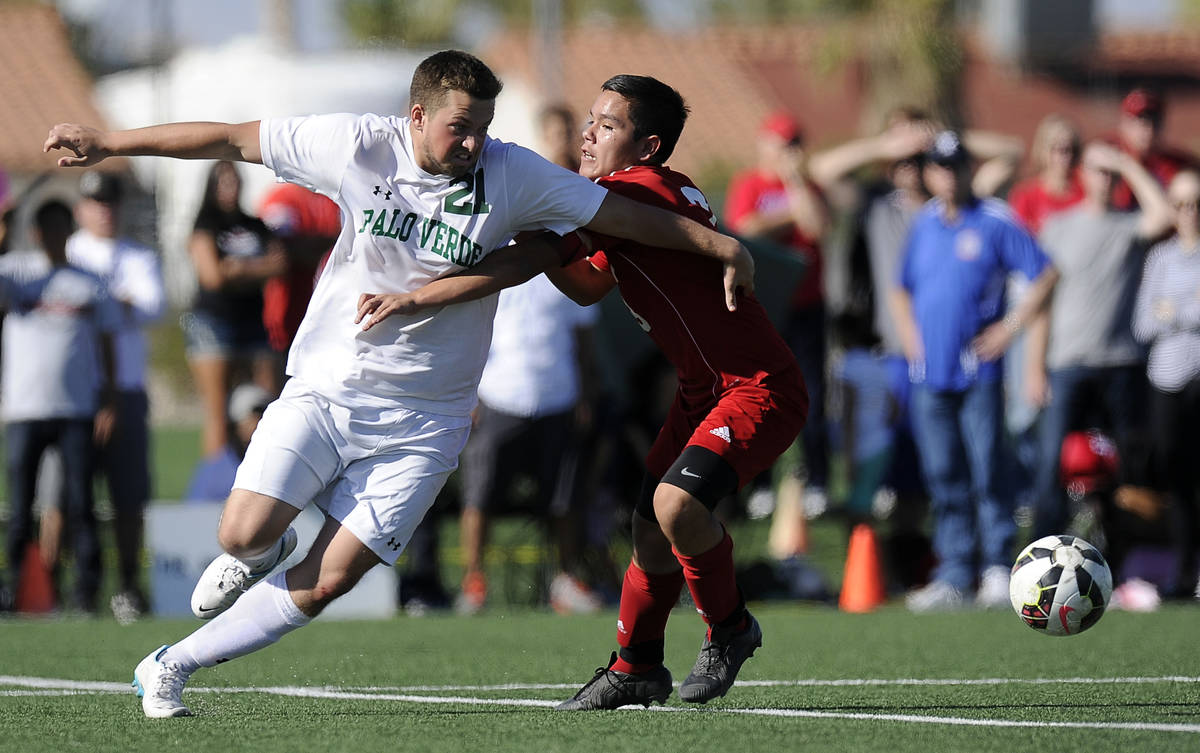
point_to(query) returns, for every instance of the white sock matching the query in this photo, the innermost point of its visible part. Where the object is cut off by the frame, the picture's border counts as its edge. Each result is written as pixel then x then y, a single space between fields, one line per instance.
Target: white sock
pixel 262 616
pixel 256 561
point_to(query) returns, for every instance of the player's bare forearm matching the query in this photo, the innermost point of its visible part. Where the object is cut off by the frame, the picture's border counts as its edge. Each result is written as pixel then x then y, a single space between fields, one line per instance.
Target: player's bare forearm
pixel 625 218
pixel 195 140
pixel 503 268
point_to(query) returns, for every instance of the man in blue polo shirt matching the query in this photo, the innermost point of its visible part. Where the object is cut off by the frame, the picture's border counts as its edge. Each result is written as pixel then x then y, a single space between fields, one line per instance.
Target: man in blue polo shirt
pixel 949 307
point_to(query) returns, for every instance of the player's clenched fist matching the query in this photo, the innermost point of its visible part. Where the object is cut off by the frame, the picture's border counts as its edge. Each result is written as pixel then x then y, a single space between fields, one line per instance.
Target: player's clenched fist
pixel 85 142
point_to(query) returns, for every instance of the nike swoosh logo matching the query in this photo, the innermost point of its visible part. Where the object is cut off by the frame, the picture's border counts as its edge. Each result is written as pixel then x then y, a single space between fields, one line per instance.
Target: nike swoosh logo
pixel 206 610
pixel 689 474
pixel 1063 611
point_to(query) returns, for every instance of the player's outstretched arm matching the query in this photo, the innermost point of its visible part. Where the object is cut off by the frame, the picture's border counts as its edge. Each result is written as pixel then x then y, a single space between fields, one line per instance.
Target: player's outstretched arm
pixel 625 218
pixel 503 268
pixel 196 140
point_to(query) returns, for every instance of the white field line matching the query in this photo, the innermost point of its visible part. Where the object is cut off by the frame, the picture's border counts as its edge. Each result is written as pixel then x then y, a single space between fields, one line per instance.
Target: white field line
pixel 967 722
pixel 42 686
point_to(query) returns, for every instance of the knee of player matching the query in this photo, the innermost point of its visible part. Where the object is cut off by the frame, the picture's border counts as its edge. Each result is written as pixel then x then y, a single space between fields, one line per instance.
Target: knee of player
pixel 676 510
pixel 240 541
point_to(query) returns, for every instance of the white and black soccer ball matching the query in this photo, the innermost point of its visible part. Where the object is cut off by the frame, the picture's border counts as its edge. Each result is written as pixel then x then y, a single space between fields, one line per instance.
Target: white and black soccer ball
pixel 1060 585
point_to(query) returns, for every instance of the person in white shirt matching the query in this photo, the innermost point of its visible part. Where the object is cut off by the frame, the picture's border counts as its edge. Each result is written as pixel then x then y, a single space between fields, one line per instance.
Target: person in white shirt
pixel 531 398
pixel 57 368
pixel 373 419
pixel 134 279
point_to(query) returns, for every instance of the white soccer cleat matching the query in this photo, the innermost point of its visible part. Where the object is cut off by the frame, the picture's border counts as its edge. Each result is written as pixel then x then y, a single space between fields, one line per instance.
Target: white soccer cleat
pixel 993 588
pixel 936 596
pixel 160 686
pixel 226 578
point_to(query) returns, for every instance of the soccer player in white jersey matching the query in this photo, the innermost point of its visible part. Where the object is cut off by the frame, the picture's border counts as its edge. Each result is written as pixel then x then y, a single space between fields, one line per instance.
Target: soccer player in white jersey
pixel 372 422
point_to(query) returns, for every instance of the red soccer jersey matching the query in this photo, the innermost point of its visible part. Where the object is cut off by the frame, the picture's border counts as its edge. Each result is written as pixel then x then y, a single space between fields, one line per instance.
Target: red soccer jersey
pixel 676 296
pixel 1033 204
pixel 753 191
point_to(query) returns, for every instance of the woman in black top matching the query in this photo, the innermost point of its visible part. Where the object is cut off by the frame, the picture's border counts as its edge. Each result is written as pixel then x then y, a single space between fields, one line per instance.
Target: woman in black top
pixel 233 254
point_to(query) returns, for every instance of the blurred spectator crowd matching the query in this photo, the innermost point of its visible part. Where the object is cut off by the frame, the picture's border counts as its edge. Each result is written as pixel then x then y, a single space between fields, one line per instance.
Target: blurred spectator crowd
pixel 1014 355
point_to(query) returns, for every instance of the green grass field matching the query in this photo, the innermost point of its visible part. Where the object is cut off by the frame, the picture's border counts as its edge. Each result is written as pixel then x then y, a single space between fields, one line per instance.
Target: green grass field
pixel 824 680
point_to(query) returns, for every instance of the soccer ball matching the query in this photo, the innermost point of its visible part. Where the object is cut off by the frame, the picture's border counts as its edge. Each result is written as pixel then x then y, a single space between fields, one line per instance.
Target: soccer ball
pixel 1060 585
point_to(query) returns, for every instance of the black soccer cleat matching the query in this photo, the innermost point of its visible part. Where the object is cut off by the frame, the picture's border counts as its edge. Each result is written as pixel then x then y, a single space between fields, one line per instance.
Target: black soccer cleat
pixel 721 656
pixel 610 689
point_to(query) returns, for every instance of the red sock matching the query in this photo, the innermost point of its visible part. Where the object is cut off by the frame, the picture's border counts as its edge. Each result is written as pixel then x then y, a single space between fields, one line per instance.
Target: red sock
pixel 646 603
pixel 711 580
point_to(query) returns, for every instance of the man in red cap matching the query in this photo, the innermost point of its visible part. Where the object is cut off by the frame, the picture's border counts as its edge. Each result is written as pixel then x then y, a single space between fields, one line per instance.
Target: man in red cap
pixel 1139 133
pixel 777 201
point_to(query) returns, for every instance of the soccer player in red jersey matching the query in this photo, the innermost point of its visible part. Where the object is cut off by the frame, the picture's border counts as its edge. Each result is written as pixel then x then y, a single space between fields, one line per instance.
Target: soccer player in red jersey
pixel 741 400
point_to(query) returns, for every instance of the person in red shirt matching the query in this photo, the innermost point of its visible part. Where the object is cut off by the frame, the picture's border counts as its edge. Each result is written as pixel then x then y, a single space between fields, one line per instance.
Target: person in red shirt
pixel 307 224
pixel 777 201
pixel 1056 186
pixel 741 399
pixel 1139 133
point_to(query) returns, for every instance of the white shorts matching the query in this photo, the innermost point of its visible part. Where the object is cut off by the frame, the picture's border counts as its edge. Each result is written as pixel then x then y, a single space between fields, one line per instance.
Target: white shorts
pixel 376 471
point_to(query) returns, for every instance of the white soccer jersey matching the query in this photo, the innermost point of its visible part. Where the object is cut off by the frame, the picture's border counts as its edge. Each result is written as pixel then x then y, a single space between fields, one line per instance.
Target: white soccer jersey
pixel 403 227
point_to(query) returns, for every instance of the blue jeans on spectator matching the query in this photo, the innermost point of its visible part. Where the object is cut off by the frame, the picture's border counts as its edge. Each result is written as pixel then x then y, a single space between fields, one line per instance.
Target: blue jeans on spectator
pixel 25 442
pixel 959 437
pixel 1082 397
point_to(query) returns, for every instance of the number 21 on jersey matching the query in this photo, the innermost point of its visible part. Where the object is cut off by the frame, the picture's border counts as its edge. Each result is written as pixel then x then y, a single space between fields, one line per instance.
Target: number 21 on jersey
pixel 461 201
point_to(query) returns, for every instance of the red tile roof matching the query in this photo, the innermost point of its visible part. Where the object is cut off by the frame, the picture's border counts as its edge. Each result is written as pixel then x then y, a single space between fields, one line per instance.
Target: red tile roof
pixel 731 78
pixel 1175 52
pixel 42 84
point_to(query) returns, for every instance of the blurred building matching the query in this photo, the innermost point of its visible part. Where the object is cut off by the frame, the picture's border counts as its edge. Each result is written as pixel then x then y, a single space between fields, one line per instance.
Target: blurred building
pixel 1019 59
pixel 42 84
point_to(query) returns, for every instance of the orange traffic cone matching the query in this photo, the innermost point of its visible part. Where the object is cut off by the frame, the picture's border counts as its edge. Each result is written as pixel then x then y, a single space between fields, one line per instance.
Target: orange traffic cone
pixel 35 592
pixel 862 583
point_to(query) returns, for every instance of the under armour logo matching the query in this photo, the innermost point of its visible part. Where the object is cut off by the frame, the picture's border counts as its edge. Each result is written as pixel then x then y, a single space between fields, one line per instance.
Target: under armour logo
pixel 395 545
pixel 387 195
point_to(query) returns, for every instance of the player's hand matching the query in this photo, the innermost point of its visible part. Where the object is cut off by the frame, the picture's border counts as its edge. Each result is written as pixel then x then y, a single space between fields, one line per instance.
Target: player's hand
pixel 86 143
pixel 375 307
pixel 739 276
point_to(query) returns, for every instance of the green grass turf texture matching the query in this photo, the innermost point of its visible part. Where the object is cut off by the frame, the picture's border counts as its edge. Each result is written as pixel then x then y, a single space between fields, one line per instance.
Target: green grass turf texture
pixel 530 646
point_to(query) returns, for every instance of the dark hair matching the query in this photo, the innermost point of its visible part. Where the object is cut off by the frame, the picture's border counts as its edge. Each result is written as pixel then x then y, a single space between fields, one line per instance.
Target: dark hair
pixel 209 206
pixel 853 329
pixel 451 70
pixel 655 108
pixel 54 215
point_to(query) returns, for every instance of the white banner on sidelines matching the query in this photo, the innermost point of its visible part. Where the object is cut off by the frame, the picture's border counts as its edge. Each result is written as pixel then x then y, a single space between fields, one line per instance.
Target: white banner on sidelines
pixel 182 540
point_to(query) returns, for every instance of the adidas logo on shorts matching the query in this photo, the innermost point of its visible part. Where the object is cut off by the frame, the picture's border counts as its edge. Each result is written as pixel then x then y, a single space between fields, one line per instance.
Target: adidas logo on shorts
pixel 722 432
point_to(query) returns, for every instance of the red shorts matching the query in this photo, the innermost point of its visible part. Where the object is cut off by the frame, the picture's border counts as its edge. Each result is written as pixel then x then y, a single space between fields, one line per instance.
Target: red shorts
pixel 750 425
